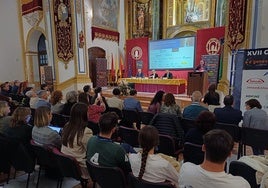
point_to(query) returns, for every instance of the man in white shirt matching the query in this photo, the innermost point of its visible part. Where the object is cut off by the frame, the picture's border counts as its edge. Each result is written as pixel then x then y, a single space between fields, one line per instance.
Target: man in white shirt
pixel 218 145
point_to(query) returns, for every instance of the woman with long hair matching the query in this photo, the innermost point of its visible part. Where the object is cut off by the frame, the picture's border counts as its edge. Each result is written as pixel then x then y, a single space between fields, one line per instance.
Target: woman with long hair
pixel 212 97
pixel 19 129
pixel 75 135
pixel 42 133
pixel 150 166
pixel 156 102
pixel 55 100
pixel 170 105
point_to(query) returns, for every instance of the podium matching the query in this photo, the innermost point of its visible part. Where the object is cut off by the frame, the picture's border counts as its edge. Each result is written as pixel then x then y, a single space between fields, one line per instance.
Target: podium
pixel 197 81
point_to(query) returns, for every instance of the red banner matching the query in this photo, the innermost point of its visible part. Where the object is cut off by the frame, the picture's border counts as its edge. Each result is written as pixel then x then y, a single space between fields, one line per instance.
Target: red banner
pixel 209 42
pixel 136 52
pixel 28 6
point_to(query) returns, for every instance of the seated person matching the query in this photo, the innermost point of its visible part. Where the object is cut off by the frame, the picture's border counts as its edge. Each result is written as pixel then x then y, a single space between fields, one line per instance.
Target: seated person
pixel 131 103
pixel 218 145
pixel 102 151
pixel 5 119
pixel 168 75
pixel 139 74
pixel 115 101
pixel 149 166
pixel 193 110
pixel 153 75
pixel 156 102
pixel 228 114
pixel 170 105
pixel 212 97
pixel 42 134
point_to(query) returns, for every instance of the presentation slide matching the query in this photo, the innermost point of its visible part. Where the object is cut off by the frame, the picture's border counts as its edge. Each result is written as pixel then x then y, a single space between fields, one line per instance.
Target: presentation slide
pixel 177 53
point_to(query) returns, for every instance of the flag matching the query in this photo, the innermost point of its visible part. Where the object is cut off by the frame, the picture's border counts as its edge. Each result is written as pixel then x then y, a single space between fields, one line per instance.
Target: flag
pixel 116 69
pixel 121 67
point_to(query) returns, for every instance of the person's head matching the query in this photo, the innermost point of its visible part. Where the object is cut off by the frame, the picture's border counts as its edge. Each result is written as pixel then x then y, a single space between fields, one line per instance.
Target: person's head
pixel 202 62
pixel 97 90
pixel 252 103
pixel 158 97
pixel 116 91
pixel 196 96
pixel 133 92
pixel 148 139
pixel 205 121
pixel 169 99
pixel 44 87
pixel 108 122
pixel 139 70
pixel 42 94
pixel 212 88
pixel 71 97
pixel 228 100
pixel 76 125
pixel 31 94
pixel 218 145
pixel 56 97
pixel 16 83
pixel 86 88
pixel 42 116
pixel 4 108
pixel 153 71
pixel 167 71
pixel 20 116
pixel 5 86
pixel 83 97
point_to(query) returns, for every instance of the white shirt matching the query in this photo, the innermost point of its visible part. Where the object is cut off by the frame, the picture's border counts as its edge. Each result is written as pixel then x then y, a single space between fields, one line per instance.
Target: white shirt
pixel 115 102
pixel 194 176
pixel 157 169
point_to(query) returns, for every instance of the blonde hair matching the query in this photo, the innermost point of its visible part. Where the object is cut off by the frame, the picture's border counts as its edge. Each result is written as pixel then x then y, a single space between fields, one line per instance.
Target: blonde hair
pixel 3 105
pixel 41 117
pixel 19 116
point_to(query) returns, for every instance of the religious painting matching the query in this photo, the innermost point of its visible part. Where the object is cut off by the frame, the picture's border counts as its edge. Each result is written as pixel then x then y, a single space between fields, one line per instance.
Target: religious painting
pixel 105 14
pixel 196 10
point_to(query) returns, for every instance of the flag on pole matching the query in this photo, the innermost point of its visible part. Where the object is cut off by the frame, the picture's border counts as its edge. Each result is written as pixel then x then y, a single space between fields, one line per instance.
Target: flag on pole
pixel 116 68
pixel 121 67
pixel 112 68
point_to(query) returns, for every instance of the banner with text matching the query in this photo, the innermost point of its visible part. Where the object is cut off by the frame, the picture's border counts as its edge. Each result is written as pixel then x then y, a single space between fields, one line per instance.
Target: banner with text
pixel 255 77
pixel 136 51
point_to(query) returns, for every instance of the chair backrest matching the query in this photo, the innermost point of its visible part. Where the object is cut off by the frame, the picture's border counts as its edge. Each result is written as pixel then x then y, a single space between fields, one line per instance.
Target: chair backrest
pixel 187 124
pixel 193 153
pixel 136 183
pixel 106 177
pixel 146 117
pixel 59 120
pixel 232 129
pixel 130 117
pixel 129 135
pixel 238 168
pixel 166 145
pixel 117 111
pixel 68 165
pixel 94 127
pixel 169 124
pixel 255 138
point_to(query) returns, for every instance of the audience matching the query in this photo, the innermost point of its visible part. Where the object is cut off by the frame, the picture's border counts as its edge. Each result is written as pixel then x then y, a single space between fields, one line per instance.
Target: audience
pixel 212 97
pixel 42 134
pixel 192 111
pixel 42 99
pixel 170 106
pixel 75 136
pixel 228 114
pixel 15 87
pixel 5 90
pixel 98 94
pixel 19 129
pixel 205 122
pixel 218 145
pixel 115 101
pixel 156 102
pixel 255 117
pixel 55 100
pixel 102 151
pixel 149 166
pixel 71 99
pixel 131 103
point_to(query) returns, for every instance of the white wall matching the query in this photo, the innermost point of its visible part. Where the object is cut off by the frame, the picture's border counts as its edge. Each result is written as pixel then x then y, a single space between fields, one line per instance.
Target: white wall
pixel 11 66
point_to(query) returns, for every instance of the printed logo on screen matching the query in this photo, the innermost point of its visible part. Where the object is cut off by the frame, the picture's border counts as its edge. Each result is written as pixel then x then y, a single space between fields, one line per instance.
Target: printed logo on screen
pixel 255 81
pixel 136 52
pixel 213 46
